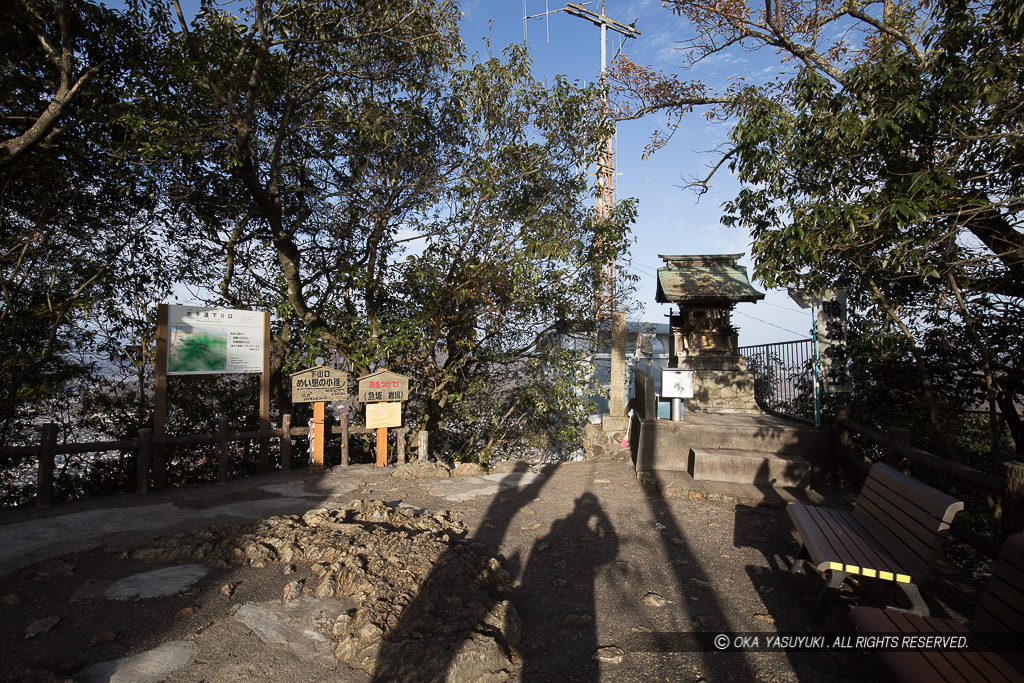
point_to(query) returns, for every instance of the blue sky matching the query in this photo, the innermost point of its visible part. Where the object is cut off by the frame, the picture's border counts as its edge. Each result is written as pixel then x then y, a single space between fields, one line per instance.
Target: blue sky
pixel 671 220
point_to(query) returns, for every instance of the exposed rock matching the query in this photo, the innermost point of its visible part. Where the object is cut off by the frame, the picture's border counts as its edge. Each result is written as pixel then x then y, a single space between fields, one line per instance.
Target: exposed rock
pixel 700 584
pixel 54 568
pixel 228 589
pixel 101 638
pixel 468 469
pixel 156 583
pixel 426 604
pixel 655 600
pixel 421 470
pixel 610 654
pixel 41 626
pixel 577 619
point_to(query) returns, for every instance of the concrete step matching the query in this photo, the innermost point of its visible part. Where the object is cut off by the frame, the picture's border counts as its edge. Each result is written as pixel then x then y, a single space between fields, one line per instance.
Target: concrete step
pixel 748 467
pixel 674 484
pixel 666 445
pixel 791 439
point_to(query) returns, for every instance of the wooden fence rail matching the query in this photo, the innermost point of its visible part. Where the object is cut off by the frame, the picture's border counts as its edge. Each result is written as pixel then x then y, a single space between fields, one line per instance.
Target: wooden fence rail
pixel 49 448
pixel 900 454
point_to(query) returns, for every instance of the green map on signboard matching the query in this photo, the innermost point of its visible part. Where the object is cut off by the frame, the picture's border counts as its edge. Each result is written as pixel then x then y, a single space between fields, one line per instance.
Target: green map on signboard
pixel 194 350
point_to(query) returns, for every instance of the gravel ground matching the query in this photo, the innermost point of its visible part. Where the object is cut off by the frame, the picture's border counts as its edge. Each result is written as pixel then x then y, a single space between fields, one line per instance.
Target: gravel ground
pixel 612 582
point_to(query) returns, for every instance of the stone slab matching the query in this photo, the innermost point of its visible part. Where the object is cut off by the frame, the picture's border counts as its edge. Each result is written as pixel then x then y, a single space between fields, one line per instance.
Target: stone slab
pixel 748 467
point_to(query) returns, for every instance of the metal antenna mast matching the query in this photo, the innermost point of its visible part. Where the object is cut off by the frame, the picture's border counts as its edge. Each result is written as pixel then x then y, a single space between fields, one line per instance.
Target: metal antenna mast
pixel 606 161
pixel 605 172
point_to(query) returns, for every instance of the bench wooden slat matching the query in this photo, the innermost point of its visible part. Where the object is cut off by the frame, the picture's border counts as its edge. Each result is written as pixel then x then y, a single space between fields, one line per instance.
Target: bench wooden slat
pixel 915 544
pixel 973 664
pixel 1000 612
pixel 836 536
pixel 907 515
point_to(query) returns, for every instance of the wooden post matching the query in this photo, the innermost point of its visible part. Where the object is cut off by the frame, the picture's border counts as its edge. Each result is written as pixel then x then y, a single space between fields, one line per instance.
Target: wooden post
pixel 382 447
pixel 286 442
pixel 47 459
pixel 1013 498
pixel 263 464
pixel 143 459
pixel 895 438
pixel 159 463
pixel 617 383
pixel 844 445
pixel 343 419
pixel 318 438
pixel 222 460
pixel 400 446
pixel 424 445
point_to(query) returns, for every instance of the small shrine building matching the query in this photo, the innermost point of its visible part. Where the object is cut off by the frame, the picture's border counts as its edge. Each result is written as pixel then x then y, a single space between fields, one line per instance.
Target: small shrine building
pixel 702 337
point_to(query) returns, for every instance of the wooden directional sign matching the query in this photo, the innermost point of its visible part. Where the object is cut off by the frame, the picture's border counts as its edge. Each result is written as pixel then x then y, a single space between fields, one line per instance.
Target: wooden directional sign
pixel 383 386
pixel 317 384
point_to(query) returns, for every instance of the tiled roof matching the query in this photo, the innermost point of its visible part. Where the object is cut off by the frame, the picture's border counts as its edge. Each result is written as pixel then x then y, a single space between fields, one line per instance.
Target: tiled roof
pixel 705 278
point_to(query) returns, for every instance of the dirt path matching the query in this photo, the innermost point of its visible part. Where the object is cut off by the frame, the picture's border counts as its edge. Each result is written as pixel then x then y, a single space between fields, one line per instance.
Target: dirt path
pixel 612 583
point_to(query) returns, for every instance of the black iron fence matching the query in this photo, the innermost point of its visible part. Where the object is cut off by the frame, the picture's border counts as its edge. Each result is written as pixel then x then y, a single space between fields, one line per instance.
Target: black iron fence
pixel 783 377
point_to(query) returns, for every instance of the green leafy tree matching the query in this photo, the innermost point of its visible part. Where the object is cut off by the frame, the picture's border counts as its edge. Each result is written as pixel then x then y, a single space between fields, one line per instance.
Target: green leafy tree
pixel 888 163
pixel 78 223
pixel 308 168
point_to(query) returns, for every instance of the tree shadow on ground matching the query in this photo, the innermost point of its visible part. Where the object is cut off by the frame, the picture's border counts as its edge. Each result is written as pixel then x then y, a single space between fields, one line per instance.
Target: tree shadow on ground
pixel 556 597
pixel 709 616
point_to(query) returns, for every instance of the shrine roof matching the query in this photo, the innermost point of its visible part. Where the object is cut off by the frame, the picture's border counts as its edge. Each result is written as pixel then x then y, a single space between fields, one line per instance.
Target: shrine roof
pixel 705 278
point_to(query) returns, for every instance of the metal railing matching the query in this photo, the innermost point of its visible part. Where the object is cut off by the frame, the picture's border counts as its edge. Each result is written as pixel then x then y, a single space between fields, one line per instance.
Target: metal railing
pixel 783 377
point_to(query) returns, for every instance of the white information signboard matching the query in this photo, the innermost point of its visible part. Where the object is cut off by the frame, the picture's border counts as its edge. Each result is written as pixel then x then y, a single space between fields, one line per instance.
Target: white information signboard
pixel 676 383
pixel 380 415
pixel 213 341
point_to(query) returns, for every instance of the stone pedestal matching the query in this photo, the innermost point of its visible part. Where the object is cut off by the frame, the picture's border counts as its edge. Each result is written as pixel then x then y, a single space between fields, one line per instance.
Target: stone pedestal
pixel 721 383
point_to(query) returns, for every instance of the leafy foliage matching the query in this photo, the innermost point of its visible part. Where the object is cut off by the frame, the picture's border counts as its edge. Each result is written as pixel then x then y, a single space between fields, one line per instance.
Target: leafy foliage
pixel 887 160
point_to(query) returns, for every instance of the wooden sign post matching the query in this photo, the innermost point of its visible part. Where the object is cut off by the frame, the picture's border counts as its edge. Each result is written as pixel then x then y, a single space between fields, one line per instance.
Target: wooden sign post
pixel 383 393
pixel 317 385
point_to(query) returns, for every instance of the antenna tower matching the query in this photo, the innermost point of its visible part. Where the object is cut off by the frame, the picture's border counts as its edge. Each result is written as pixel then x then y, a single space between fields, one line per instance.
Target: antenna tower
pixel 605 172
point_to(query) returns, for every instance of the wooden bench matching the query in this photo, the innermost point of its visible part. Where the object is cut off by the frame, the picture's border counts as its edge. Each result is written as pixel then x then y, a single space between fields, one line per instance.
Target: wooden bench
pixel 894 533
pixel 995 642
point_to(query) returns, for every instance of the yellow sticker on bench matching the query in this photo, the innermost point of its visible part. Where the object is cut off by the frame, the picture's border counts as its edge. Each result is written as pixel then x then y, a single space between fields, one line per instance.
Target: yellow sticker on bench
pixel 851 569
pixel 835 566
pixel 902 578
pixel 885 575
pixel 870 573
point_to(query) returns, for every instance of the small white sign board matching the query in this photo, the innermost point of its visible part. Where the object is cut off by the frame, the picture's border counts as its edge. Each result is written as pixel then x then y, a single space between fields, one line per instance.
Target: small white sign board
pixel 676 383
pixel 383 415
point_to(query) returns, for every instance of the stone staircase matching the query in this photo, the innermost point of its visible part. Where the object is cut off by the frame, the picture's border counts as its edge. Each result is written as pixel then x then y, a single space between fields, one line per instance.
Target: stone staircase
pixel 758 458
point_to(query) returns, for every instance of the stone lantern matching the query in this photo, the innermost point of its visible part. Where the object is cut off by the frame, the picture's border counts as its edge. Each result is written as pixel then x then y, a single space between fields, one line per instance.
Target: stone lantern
pixel 703 338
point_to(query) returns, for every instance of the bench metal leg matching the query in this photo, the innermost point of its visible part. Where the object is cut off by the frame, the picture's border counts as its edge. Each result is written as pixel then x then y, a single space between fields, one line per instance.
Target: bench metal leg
pixel 828 593
pixel 798 562
pixel 917 604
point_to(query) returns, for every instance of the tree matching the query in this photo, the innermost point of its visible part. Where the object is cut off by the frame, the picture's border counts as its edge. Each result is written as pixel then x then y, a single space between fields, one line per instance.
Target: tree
pixel 513 261
pixel 297 136
pixel 78 225
pixel 312 150
pixel 890 165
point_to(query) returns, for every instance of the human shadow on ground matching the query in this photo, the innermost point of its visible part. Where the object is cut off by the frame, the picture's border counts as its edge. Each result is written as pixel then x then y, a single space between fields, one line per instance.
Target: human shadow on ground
pixel 461 624
pixel 556 597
